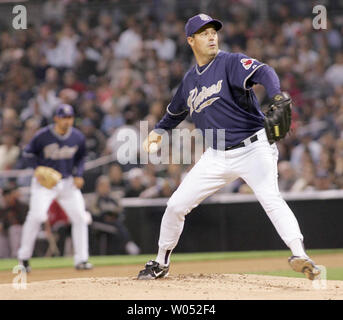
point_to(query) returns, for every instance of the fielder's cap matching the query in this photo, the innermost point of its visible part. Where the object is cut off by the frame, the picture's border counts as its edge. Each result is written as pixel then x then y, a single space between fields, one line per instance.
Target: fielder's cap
pixel 64 110
pixel 195 23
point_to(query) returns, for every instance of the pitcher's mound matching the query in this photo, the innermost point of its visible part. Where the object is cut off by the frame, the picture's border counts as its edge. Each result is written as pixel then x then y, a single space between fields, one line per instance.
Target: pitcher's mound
pixel 179 287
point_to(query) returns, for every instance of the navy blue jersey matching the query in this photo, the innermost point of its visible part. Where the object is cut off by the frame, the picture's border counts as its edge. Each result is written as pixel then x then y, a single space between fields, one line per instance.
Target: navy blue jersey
pixel 219 95
pixel 65 154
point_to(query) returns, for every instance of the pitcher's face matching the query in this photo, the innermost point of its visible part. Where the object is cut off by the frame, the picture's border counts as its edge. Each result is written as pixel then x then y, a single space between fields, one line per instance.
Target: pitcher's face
pixel 205 41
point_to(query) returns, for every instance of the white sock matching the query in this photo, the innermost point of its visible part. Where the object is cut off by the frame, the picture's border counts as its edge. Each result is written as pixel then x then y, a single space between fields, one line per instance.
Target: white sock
pixel 297 248
pixel 163 257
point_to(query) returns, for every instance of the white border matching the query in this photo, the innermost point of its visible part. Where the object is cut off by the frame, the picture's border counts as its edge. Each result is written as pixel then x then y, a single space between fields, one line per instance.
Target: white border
pixel 175 114
pixel 246 79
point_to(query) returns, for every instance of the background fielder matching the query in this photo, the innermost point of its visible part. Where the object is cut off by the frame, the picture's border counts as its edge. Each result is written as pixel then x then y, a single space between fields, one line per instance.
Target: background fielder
pixel 217 93
pixel 62 147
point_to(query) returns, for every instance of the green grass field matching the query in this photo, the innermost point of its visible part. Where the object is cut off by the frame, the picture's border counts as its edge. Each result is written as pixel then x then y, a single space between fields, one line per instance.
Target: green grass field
pixel 62 262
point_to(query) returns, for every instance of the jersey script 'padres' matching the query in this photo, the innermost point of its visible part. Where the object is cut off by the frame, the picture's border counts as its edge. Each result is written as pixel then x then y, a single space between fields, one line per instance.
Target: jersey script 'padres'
pixel 65 154
pixel 219 96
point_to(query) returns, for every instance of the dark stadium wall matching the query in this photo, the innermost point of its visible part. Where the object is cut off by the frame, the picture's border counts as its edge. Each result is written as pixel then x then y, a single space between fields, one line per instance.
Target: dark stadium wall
pixel 240 227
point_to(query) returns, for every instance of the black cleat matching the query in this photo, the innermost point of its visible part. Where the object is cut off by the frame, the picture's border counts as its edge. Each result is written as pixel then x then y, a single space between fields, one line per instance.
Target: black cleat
pixel 26 265
pixel 84 266
pixel 153 271
pixel 304 265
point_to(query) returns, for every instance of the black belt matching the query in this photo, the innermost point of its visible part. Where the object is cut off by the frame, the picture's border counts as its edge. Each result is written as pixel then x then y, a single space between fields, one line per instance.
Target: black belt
pixel 242 144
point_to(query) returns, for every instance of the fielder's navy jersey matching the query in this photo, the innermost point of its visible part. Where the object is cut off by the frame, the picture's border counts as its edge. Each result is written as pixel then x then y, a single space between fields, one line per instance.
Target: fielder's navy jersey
pixel 65 154
pixel 219 95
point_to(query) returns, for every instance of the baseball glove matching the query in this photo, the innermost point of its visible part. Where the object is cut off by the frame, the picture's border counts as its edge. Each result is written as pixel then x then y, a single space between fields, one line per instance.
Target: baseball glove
pixel 278 117
pixel 47 177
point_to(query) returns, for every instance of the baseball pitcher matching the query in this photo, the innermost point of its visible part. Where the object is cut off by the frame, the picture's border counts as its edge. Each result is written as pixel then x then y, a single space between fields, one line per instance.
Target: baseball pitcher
pixel 217 94
pixel 57 152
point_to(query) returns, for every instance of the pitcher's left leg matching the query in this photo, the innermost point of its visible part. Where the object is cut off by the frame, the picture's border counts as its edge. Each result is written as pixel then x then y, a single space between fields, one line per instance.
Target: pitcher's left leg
pixel 261 176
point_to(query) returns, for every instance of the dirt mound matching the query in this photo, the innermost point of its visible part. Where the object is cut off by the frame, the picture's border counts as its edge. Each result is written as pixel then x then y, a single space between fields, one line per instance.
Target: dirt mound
pixel 198 280
pixel 178 287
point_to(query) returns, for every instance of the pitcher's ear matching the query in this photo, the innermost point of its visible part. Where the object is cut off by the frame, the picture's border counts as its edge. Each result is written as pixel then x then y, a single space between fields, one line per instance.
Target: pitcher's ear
pixel 190 40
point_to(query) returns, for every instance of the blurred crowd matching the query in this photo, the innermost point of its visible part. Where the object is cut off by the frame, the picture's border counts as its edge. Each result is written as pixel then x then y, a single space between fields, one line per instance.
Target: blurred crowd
pixel 119 62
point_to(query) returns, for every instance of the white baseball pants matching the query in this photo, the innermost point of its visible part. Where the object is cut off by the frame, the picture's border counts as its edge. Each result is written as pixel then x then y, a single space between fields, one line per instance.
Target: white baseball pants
pixel 256 163
pixel 71 200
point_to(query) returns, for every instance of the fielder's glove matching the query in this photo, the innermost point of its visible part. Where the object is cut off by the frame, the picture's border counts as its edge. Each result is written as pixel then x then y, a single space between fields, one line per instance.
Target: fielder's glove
pixel 278 117
pixel 47 177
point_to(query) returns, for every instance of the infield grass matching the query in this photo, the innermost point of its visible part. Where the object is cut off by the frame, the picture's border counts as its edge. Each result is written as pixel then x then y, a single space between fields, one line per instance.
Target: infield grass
pixel 62 262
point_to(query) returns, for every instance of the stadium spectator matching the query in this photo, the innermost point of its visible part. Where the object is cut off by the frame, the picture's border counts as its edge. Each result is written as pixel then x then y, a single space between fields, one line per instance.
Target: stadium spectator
pixel 323 181
pixel 130 42
pixel 95 139
pixel 306 179
pixel 156 112
pixel 12 217
pixel 165 47
pixel 334 74
pixel 287 176
pixel 9 152
pixel 67 50
pixel 44 104
pixel 136 184
pixel 106 210
pixel 115 174
pixel 125 152
pixel 307 146
pixel 70 81
pixel 53 11
pixel 89 108
pixel 112 120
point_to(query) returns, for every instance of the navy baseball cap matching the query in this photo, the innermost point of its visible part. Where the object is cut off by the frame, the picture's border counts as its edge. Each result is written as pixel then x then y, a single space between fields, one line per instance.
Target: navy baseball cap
pixel 195 23
pixel 64 110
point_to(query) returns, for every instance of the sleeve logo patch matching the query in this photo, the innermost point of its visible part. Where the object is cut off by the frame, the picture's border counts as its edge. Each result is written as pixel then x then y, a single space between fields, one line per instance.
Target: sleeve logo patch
pixel 247 63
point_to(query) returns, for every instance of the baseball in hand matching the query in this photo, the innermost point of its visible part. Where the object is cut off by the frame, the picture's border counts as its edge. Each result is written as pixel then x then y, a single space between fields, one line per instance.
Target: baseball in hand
pixel 153 147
